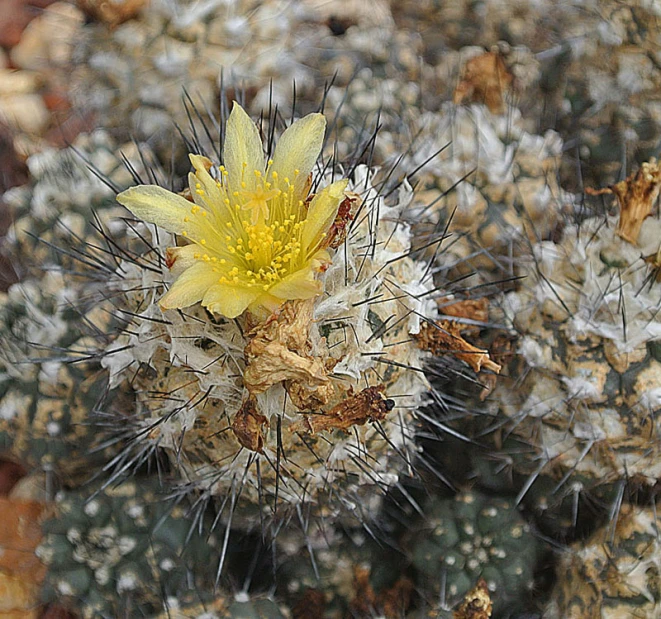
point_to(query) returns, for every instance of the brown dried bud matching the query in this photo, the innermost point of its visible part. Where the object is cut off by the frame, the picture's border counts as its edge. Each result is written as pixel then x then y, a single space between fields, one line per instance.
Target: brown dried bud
pixel 248 424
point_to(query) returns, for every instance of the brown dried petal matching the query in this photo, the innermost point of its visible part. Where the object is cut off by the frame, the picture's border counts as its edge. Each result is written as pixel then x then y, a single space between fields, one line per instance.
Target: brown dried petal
pixel 337 233
pixel 485 79
pixel 636 196
pixel 112 12
pixel 444 337
pixel 473 309
pixel 354 410
pixel 279 350
pixel 248 424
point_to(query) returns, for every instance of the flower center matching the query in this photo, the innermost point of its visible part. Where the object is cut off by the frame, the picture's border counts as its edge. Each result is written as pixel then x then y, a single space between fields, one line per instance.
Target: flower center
pixel 256 200
pixel 267 254
pixel 265 248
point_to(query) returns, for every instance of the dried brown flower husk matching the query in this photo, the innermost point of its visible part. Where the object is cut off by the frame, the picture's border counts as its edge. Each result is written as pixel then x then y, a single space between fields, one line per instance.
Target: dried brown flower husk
pixel 485 79
pixel 477 603
pixel 636 196
pixel 444 337
pixel 279 350
pixel 353 410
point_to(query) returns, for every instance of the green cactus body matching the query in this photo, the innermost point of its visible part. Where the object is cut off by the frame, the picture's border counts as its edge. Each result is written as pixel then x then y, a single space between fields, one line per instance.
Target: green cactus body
pixel 122 550
pixel 355 575
pixel 615 573
pixel 53 322
pixel 473 536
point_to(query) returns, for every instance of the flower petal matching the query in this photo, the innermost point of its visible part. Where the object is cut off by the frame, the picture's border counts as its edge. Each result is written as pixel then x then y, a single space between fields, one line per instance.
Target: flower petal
pixel 242 146
pixel 212 195
pixel 322 212
pixel 298 149
pixel 320 260
pixel 189 287
pixel 299 285
pixel 178 259
pixel 161 207
pixel 230 301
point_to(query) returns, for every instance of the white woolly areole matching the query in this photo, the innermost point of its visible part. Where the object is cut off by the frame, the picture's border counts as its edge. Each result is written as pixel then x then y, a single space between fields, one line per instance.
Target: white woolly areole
pixel 189 383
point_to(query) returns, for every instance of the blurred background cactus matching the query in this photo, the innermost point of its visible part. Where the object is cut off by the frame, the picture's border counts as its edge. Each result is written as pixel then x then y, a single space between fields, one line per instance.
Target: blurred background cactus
pixel 121 550
pixel 469 537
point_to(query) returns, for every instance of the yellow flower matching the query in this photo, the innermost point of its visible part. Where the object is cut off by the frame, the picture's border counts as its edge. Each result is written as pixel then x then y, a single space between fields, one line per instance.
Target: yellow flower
pixel 255 238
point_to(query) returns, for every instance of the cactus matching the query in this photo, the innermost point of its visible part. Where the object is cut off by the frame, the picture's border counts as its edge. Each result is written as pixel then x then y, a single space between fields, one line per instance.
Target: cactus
pixel 66 198
pixel 346 574
pixel 494 186
pixel 54 321
pixel 190 392
pixel 615 573
pixel 49 387
pixel 474 536
pixel 588 328
pixel 122 549
pixel 574 419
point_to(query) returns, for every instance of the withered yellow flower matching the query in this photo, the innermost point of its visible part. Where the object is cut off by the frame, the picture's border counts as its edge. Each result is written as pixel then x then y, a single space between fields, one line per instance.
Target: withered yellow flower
pixel 255 238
